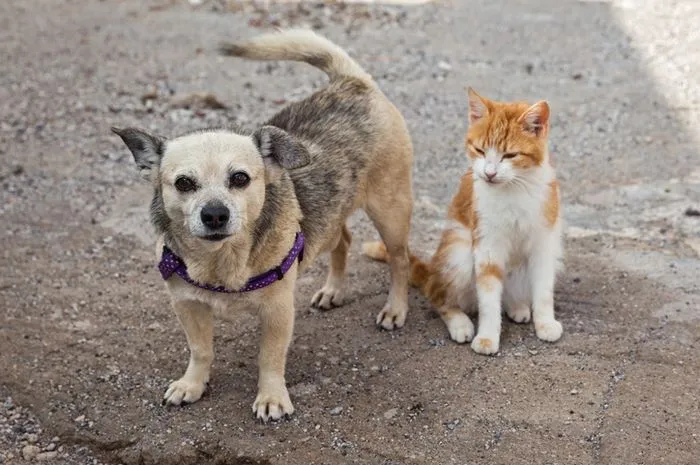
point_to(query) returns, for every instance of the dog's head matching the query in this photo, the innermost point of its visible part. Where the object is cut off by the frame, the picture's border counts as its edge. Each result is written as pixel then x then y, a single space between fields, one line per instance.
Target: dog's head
pixel 210 185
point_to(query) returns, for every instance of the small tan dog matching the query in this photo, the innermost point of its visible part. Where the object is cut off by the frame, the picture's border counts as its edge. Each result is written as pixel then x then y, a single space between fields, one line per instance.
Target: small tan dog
pixel 239 216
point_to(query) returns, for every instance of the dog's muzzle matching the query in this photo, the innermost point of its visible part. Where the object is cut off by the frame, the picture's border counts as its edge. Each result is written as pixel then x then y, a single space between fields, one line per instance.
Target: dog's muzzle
pixel 215 217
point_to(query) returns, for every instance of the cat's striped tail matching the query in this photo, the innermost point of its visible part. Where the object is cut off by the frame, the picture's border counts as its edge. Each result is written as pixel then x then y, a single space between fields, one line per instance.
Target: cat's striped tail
pixel 420 270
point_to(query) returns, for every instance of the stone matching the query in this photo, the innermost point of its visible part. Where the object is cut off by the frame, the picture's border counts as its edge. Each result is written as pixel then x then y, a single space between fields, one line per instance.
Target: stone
pixel 336 411
pixel 391 413
pixel 30 452
pixel 44 456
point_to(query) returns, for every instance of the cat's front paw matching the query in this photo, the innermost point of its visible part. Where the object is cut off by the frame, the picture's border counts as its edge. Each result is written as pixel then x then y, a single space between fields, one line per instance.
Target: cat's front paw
pixel 549 331
pixel 485 345
pixel 460 327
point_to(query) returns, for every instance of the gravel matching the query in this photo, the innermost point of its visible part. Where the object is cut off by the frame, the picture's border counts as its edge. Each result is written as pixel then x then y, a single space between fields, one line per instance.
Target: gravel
pixel 21 437
pixel 88 343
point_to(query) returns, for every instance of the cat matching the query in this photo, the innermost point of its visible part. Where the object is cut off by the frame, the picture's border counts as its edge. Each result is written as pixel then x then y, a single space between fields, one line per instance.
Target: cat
pixel 503 239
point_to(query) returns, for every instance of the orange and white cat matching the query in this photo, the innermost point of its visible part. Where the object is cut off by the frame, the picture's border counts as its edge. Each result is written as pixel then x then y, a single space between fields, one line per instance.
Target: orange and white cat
pixel 503 240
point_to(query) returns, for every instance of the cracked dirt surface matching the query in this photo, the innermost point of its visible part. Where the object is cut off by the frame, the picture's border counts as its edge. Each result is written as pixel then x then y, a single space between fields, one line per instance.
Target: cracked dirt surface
pixel 88 343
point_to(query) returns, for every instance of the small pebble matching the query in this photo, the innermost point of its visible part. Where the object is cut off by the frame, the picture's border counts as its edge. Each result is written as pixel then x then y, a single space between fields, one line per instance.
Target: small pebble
pixel 336 411
pixel 444 66
pixel 391 413
pixel 29 452
pixel 46 456
pixel 451 425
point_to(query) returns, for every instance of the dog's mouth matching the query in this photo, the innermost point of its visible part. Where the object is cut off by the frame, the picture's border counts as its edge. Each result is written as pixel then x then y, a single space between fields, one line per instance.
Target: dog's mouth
pixel 215 237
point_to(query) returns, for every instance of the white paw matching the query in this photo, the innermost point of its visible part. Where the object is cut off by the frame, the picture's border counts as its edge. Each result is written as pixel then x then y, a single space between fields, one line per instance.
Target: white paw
pixel 328 297
pixel 184 390
pixel 549 331
pixel 485 345
pixel 390 318
pixel 460 327
pixel 273 406
pixel 519 314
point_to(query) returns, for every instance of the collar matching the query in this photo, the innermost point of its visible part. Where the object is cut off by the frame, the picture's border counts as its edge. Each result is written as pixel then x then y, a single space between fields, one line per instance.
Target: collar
pixel 171 263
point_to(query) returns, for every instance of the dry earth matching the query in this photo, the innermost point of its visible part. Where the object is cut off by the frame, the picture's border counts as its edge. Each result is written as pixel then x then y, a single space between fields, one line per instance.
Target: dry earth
pixel 87 341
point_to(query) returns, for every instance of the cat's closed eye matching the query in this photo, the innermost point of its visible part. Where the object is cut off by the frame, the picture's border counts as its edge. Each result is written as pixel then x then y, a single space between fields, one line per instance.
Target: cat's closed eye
pixel 478 150
pixel 510 155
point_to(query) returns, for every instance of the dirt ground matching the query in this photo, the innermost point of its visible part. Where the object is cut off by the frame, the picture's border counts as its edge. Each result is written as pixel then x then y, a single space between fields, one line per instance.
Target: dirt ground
pixel 87 340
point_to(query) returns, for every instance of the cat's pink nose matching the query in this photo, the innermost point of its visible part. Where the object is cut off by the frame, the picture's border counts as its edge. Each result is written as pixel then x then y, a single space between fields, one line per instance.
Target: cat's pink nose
pixel 490 175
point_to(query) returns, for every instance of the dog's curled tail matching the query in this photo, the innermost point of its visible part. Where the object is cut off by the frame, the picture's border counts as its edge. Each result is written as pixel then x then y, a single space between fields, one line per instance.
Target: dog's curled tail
pixel 299 45
pixel 420 270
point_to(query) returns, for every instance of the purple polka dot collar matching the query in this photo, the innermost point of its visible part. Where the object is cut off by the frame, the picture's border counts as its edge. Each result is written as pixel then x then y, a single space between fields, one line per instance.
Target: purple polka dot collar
pixel 171 263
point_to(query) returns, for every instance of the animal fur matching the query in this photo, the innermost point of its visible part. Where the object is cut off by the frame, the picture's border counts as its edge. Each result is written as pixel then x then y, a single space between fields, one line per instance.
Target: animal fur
pixel 503 238
pixel 308 168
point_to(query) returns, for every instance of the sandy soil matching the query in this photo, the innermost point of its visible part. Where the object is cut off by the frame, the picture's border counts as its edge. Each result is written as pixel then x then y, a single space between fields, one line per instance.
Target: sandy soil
pixel 88 343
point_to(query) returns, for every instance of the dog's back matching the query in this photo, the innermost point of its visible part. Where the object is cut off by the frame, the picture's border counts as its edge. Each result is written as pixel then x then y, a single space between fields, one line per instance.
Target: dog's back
pixel 334 125
pixel 336 120
pixel 357 139
pixel 340 125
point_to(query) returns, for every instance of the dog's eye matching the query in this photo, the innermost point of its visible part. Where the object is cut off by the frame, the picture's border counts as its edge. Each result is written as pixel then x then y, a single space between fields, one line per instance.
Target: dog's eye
pixel 239 179
pixel 185 184
pixel 510 155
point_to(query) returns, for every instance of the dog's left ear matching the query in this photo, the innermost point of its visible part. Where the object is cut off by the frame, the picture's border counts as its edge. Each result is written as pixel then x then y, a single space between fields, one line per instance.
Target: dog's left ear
pixel 147 149
pixel 280 150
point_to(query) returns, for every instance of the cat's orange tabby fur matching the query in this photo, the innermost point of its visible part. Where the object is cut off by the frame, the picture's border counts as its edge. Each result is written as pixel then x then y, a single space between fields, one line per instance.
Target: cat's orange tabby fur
pixel 503 240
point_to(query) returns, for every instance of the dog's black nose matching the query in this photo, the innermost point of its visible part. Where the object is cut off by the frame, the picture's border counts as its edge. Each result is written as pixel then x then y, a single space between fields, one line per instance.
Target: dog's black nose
pixel 215 216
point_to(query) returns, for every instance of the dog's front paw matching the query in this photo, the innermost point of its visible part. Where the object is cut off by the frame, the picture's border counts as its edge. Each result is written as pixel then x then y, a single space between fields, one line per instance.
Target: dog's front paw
pixel 272 406
pixel 328 297
pixel 184 391
pixel 549 331
pixel 485 345
pixel 391 318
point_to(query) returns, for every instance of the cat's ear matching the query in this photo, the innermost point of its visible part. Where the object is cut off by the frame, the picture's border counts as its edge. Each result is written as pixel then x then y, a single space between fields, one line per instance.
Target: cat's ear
pixel 478 106
pixel 535 120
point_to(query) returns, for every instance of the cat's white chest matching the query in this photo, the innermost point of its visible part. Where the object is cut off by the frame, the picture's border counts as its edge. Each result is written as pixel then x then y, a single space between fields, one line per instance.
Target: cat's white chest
pixel 509 221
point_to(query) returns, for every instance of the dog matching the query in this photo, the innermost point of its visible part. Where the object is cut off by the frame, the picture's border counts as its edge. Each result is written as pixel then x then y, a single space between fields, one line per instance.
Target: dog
pixel 239 216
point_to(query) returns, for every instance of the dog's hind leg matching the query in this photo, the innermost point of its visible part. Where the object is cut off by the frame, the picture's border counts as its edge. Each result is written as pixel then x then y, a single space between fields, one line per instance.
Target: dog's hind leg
pixel 197 320
pixel 391 214
pixel 331 295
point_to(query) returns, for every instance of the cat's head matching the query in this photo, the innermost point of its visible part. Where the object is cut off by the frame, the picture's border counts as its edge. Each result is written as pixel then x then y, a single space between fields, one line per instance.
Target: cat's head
pixel 506 142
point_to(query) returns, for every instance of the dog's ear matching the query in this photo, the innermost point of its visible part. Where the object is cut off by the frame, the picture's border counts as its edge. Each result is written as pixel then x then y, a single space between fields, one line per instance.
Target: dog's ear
pixel 280 150
pixel 147 149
